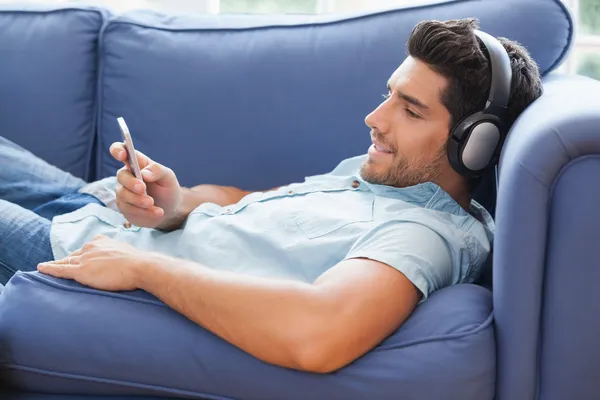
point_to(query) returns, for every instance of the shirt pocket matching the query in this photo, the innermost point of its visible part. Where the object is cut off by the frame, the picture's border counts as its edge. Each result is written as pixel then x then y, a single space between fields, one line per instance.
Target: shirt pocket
pixel 325 213
pixel 93 217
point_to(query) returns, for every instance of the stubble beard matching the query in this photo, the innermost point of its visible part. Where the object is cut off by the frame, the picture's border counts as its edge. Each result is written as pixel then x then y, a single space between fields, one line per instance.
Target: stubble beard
pixel 404 172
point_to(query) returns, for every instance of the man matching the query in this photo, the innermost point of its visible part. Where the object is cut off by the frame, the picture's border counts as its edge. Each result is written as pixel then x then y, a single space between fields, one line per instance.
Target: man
pixel 307 276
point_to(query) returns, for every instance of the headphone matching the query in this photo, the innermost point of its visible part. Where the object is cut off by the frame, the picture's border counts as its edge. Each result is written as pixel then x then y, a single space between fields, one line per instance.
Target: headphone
pixel 475 142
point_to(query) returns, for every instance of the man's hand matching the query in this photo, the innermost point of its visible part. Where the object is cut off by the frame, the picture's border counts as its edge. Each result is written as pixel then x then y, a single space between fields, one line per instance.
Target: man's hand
pixel 102 263
pixel 155 201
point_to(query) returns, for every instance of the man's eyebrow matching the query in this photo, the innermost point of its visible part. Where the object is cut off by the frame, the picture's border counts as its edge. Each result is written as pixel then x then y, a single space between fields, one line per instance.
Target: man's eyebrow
pixel 413 100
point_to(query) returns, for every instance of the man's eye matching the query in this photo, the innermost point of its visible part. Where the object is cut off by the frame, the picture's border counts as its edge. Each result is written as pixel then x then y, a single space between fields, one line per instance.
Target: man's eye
pixel 412 114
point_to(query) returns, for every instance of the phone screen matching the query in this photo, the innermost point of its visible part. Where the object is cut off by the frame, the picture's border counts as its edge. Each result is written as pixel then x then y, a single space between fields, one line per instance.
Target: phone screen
pixel 131 158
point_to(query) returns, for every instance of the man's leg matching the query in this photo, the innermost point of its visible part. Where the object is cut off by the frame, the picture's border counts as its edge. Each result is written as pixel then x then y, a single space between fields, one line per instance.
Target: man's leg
pixel 24 240
pixel 29 181
pixel 25 235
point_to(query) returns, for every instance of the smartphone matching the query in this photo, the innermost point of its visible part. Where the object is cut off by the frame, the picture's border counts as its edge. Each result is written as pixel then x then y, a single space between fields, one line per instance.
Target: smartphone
pixel 131 158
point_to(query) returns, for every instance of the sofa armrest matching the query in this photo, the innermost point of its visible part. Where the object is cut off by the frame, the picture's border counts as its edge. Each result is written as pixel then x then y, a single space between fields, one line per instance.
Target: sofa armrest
pixel 547 247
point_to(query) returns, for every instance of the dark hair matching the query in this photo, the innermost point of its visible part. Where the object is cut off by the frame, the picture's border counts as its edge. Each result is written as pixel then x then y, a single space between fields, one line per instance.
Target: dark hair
pixel 452 49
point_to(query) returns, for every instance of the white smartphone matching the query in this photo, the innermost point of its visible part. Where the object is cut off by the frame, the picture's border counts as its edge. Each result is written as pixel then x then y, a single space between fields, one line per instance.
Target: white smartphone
pixel 131 158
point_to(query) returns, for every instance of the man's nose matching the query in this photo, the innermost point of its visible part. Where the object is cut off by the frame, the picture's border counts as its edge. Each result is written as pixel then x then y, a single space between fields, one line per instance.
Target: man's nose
pixel 377 119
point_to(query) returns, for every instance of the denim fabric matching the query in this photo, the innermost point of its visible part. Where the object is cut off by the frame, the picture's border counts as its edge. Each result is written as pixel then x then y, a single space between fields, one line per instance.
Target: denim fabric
pixel 29 181
pixel 24 240
pixel 32 192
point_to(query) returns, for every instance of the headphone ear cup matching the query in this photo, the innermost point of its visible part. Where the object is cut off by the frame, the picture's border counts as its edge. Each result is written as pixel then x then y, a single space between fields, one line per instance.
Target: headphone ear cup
pixel 457 141
pixel 473 144
pixel 480 147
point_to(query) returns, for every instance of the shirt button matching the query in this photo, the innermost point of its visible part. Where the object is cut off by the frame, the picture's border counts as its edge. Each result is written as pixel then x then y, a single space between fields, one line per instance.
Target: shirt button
pixel 291 192
pixel 355 184
pixel 127 224
pixel 228 211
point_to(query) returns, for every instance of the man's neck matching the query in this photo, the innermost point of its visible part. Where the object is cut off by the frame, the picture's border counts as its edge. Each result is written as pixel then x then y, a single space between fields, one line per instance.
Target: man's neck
pixel 458 189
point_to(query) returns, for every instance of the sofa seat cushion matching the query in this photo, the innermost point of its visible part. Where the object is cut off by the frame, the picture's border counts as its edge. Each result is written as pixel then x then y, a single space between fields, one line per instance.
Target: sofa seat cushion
pixel 57 336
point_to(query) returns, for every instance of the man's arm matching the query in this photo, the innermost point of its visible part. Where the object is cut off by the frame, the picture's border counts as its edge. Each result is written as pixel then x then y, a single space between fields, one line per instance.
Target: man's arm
pixel 193 197
pixel 318 327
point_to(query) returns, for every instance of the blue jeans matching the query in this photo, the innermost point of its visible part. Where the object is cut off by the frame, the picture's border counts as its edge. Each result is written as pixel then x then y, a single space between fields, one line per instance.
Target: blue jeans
pixel 32 192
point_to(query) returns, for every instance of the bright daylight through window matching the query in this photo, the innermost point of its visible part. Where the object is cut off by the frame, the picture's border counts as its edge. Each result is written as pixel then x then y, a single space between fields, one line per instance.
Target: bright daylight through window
pixel 584 59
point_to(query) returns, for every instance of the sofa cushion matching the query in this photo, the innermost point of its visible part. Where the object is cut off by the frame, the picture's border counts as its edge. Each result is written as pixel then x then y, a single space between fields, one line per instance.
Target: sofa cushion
pixel 48 77
pixel 60 337
pixel 258 102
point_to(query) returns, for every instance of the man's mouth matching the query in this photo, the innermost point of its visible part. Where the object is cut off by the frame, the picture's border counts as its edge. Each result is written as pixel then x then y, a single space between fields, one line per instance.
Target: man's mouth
pixel 381 149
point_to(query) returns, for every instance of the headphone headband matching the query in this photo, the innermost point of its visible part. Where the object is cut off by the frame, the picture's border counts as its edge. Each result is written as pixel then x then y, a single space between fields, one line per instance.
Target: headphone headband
pixel 500 69
pixel 475 142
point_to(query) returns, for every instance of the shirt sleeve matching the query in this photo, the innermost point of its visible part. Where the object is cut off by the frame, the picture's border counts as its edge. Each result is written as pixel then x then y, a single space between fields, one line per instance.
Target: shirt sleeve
pixel 415 250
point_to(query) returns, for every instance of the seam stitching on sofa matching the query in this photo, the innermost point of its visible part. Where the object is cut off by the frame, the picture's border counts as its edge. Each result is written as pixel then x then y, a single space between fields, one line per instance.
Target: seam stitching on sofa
pixel 121 19
pixel 561 141
pixel 113 381
pixel 530 173
pixel 93 150
pixel 100 99
pixel 8 10
pixel 569 165
pixel 67 288
pixel 480 327
pixel 570 31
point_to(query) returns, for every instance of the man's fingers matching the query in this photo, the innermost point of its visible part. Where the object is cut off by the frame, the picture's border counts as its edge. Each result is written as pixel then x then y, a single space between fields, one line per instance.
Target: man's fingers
pixel 129 181
pixel 77 253
pixel 119 152
pixel 74 256
pixel 154 172
pixel 58 270
pixel 139 200
pixel 134 211
pixel 71 259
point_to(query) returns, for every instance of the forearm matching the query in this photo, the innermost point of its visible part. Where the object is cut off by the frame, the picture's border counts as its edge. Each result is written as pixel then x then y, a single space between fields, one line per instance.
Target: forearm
pixel 193 197
pixel 274 320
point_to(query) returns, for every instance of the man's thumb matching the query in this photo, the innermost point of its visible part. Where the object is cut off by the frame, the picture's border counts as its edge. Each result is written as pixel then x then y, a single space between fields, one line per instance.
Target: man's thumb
pixel 153 172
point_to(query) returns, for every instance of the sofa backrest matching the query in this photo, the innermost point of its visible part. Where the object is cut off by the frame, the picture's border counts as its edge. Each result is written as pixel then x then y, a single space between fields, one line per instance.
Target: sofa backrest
pixel 251 101
pixel 48 62
pixel 257 102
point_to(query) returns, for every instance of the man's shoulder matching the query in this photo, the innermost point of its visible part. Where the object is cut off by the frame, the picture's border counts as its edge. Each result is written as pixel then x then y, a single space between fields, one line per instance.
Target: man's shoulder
pixel 459 229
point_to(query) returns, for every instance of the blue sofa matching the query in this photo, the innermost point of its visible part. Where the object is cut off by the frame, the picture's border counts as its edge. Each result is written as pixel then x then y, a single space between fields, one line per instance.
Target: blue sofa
pixel 262 101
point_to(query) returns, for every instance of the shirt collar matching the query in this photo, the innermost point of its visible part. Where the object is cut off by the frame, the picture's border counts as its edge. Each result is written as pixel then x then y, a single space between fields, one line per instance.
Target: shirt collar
pixel 419 194
pixel 431 195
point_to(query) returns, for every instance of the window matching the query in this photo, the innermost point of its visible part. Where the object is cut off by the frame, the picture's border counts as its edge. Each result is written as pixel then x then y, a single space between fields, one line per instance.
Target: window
pixel 584 59
pixel 585 56
pixel 268 6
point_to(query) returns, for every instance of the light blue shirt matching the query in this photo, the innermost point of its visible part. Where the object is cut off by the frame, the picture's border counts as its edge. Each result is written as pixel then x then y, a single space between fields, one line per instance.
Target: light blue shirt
pixel 301 230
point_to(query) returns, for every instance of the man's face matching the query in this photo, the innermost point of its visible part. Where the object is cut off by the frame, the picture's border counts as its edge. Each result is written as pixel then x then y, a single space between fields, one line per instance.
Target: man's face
pixel 409 129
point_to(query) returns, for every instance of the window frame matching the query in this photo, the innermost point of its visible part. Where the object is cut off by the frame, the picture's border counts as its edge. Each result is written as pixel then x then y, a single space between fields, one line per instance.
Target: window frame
pixel 583 45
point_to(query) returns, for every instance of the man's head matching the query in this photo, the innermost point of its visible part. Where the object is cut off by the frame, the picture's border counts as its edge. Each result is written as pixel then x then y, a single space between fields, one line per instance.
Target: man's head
pixel 445 77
